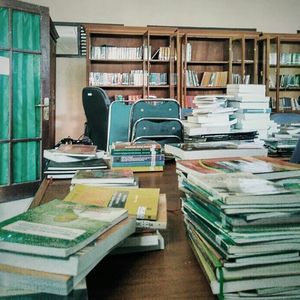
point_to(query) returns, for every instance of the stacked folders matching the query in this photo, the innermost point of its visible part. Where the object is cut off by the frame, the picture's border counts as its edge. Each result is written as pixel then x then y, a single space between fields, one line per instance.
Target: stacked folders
pixel 243 228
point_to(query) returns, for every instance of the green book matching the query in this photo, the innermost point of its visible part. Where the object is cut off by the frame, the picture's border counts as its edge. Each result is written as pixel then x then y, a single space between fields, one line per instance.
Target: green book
pixel 57 228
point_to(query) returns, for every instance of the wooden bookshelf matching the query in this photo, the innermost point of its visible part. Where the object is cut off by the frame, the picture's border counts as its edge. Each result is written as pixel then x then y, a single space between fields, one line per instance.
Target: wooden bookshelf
pixel 281 76
pixel 132 62
pixel 211 59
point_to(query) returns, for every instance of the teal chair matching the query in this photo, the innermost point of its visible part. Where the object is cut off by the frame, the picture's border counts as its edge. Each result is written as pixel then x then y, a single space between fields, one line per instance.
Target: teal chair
pixel 155 119
pixel 118 122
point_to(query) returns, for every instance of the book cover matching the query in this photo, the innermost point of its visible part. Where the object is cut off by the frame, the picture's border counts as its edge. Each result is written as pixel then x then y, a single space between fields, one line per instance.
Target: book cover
pixel 103 176
pixel 57 228
pixel 140 202
pixel 160 222
pixel 77 262
pixel 244 188
pixel 265 167
pixel 76 150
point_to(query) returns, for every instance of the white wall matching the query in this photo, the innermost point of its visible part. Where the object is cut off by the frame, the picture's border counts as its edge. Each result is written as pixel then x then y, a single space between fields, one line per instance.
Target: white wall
pixel 264 15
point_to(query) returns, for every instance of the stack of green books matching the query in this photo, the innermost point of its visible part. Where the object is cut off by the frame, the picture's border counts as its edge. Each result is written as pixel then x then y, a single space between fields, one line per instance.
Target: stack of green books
pixel 245 232
pixel 138 157
pixel 51 248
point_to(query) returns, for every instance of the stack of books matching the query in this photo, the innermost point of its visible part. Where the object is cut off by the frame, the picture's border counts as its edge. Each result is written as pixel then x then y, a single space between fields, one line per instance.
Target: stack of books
pixel 51 248
pixel 119 188
pixel 244 229
pixel 147 205
pixel 210 115
pixel 64 161
pixel 253 107
pixel 139 157
pixel 201 150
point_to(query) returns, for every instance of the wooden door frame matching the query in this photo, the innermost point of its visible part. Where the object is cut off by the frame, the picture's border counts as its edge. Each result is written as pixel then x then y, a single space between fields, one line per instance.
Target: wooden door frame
pixel 25 190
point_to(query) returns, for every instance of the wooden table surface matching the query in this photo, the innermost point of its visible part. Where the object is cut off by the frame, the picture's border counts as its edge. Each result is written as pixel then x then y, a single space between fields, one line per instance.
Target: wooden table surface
pixel 172 273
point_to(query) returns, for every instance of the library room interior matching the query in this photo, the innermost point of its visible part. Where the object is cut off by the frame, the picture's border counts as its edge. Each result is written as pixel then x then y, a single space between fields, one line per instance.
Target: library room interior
pixel 149 149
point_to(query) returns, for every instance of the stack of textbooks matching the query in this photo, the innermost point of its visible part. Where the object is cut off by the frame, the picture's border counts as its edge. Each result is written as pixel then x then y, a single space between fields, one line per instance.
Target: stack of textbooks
pixel 138 157
pixel 216 149
pixel 209 116
pixel 51 248
pixel 244 229
pixel 252 107
pixel 146 205
pixel 64 161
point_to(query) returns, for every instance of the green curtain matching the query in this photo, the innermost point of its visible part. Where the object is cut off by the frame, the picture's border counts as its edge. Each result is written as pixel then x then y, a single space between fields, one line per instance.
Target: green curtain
pixel 4 102
pixel 4 158
pixel 26 161
pixel 26 95
pixel 26 31
pixel 4 27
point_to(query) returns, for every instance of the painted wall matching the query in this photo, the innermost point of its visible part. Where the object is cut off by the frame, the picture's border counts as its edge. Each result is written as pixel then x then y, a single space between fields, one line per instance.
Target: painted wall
pixel 264 15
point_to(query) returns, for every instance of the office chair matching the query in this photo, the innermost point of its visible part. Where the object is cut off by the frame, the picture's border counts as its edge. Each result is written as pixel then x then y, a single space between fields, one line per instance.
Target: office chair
pixel 118 122
pixel 96 107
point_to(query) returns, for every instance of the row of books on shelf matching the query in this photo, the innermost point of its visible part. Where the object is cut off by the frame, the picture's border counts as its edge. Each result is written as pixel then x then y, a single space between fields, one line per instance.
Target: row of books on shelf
pixel 208 79
pixel 239 79
pixel 292 58
pixel 118 53
pixel 242 221
pixel 285 81
pixel 134 77
pixel 106 52
pixel 52 247
pixel 286 104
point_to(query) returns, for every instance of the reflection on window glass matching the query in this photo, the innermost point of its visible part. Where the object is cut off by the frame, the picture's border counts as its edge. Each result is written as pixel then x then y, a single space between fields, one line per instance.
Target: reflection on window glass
pixel 67 42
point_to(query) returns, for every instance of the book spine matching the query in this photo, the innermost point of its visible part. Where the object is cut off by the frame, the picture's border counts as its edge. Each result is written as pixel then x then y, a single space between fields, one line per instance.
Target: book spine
pixel 137 146
pixel 135 152
pixel 138 158
pixel 146 224
pixel 137 164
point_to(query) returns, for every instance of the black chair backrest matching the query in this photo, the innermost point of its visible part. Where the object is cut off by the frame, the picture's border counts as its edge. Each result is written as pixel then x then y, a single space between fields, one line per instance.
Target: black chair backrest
pixel 96 106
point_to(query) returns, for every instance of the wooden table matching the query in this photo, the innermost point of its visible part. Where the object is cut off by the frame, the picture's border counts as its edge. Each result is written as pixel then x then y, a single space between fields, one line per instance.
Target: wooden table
pixel 173 273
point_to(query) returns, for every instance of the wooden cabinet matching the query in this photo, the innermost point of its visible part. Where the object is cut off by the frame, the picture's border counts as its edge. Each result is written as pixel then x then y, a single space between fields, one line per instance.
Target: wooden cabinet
pixel 279 70
pixel 211 59
pixel 132 62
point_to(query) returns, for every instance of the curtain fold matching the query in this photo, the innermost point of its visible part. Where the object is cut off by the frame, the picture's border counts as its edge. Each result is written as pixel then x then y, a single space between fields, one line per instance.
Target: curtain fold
pixel 26 161
pixel 26 30
pixel 4 27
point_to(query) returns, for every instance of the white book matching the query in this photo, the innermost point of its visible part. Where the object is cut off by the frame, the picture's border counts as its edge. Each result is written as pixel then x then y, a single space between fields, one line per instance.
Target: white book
pixel 257 89
pixel 249 98
pixel 249 105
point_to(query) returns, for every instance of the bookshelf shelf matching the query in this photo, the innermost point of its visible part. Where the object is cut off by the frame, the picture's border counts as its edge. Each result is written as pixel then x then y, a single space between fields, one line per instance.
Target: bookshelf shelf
pixel 208 62
pixel 279 63
pixel 132 55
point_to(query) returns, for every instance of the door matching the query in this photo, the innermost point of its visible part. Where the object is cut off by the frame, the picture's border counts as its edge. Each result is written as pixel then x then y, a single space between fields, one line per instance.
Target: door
pixel 25 116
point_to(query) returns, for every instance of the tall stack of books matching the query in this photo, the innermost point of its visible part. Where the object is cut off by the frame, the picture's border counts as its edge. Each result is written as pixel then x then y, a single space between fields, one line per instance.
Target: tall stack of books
pixel 64 161
pixel 253 107
pixel 210 115
pixel 138 157
pixel 51 248
pixel 244 229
